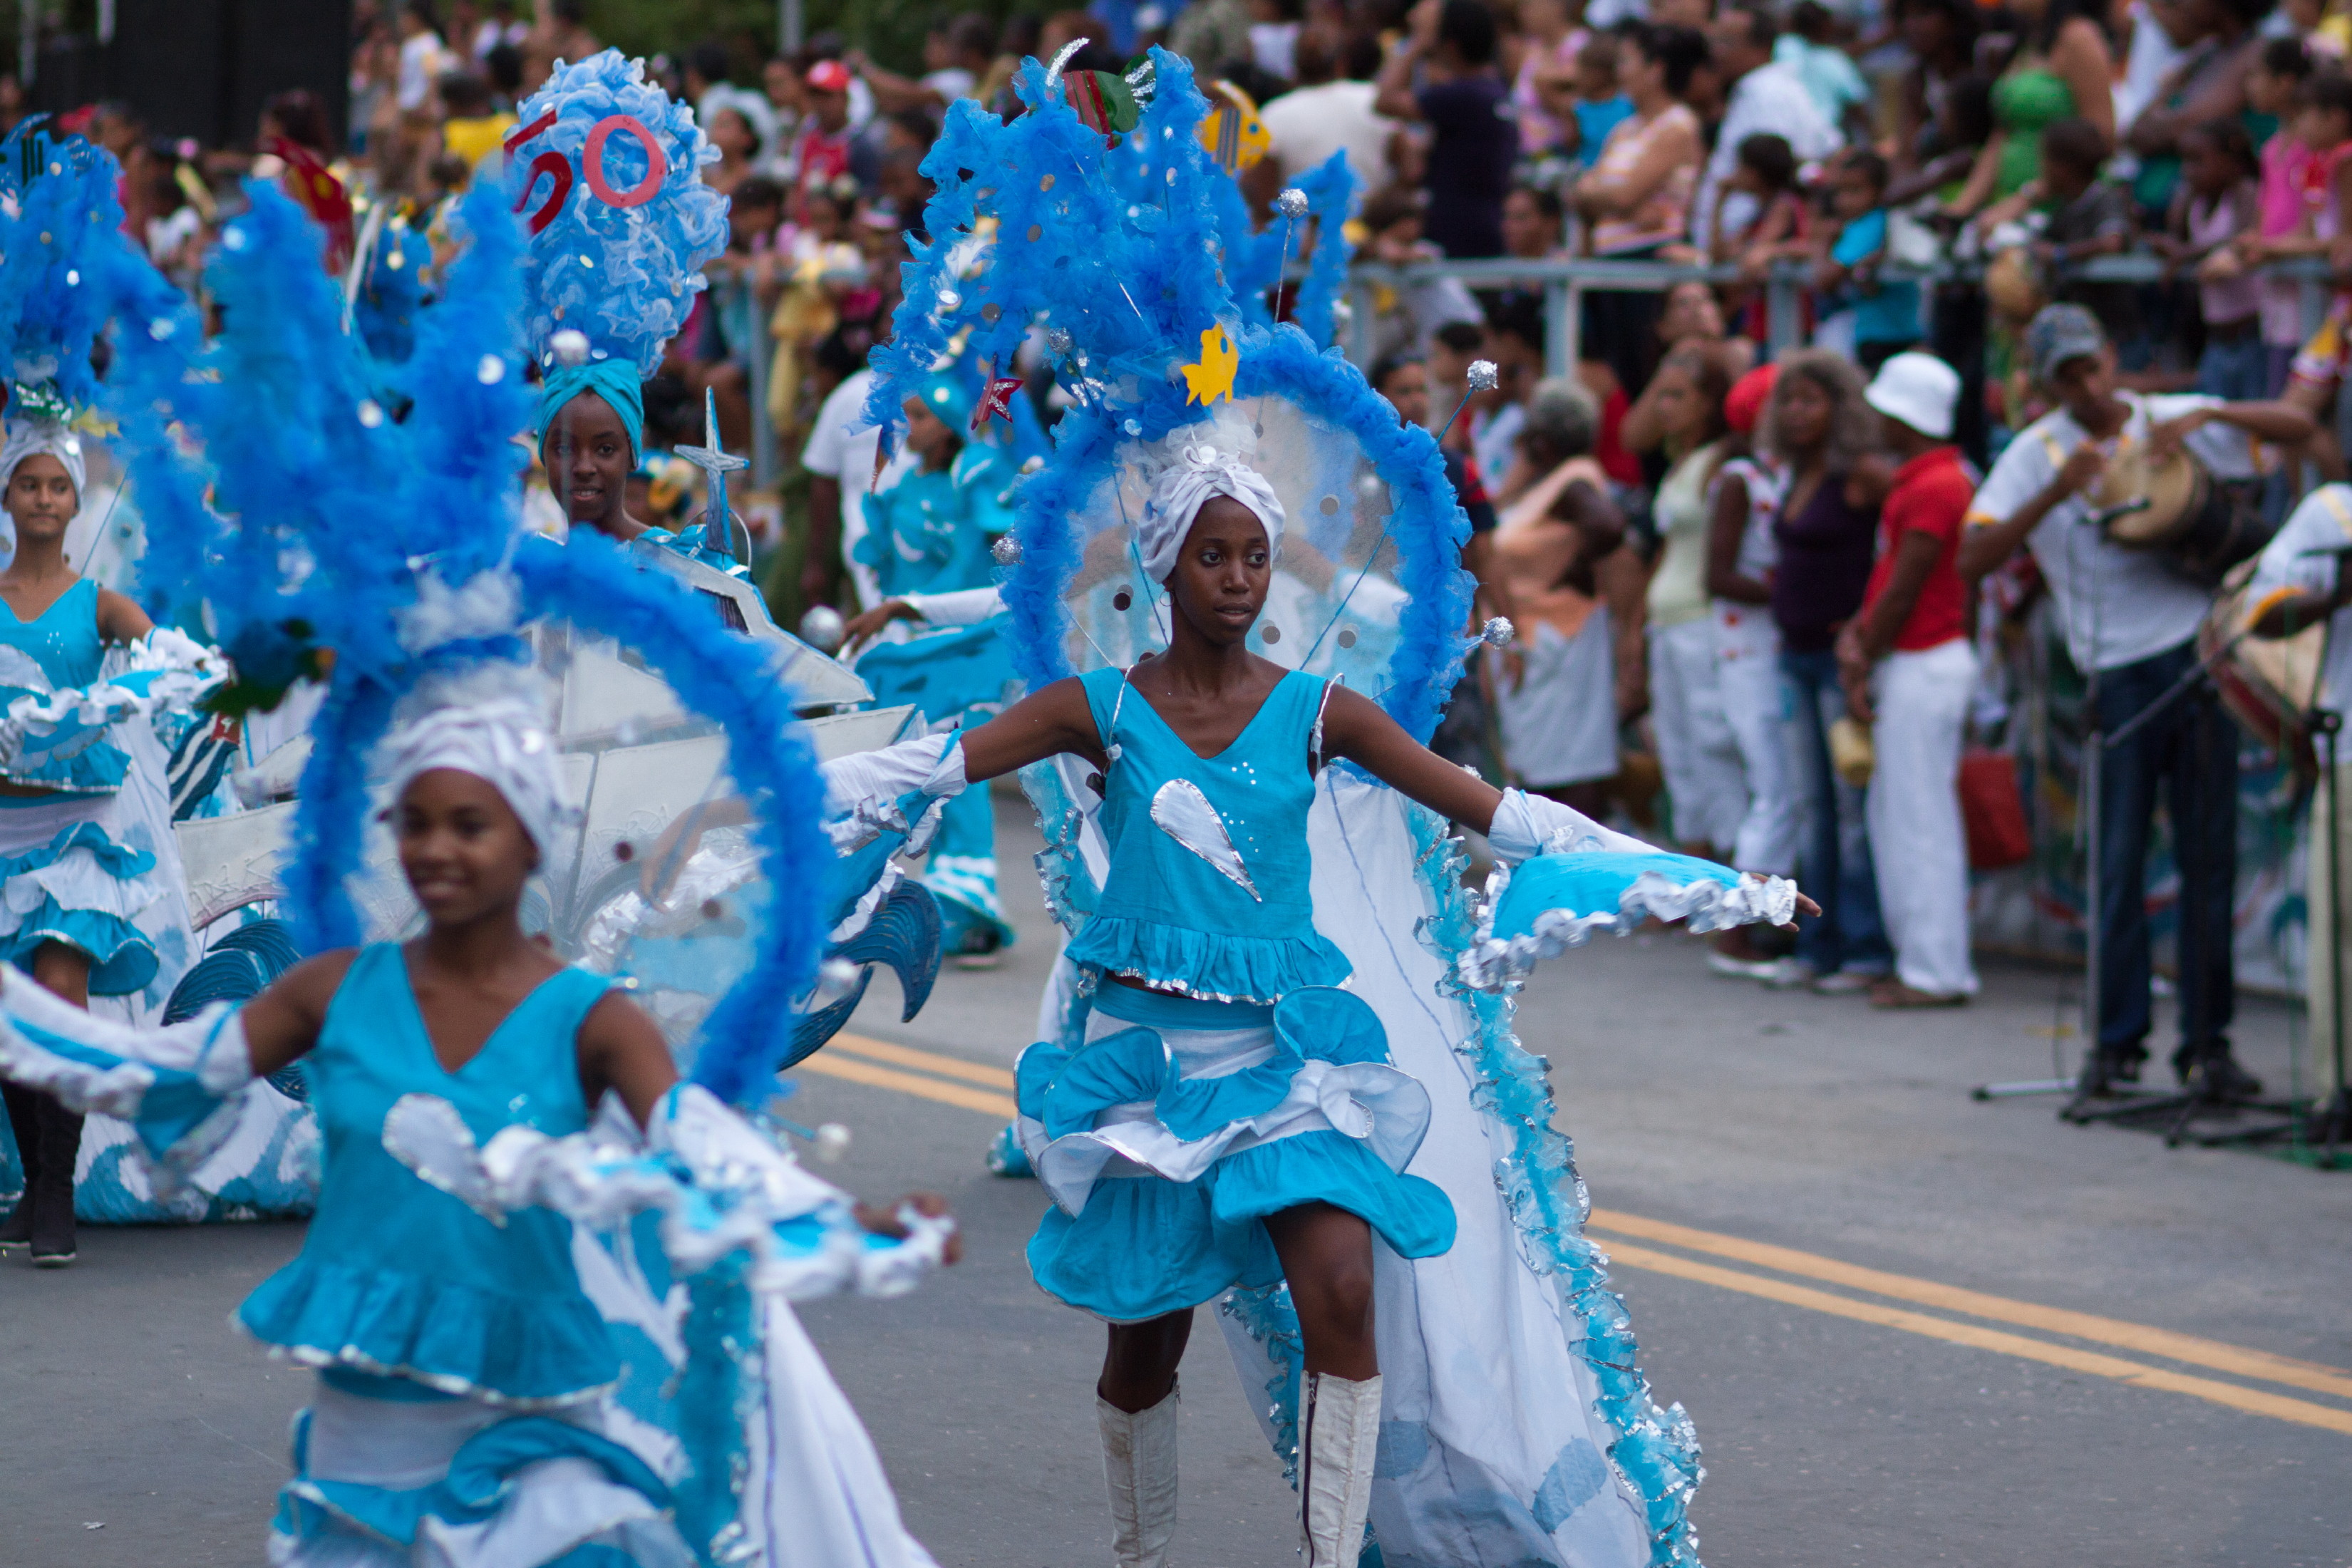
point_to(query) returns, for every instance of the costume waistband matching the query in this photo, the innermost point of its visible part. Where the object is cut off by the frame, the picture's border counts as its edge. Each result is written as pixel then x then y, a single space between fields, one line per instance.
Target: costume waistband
pixel 1164 1010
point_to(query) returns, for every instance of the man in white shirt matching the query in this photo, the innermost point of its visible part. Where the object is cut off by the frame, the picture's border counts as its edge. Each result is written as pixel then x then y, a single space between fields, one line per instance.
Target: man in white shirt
pixel 2300 582
pixel 1327 113
pixel 839 457
pixel 2132 621
pixel 1759 95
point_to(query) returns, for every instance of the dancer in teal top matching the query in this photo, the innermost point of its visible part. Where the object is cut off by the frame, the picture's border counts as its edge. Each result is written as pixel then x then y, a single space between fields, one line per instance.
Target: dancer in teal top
pixel 79 864
pixel 930 533
pixel 1231 1116
pixel 464 1414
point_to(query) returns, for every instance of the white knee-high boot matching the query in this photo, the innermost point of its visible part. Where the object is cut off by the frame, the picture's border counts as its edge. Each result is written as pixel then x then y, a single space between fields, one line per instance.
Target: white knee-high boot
pixel 1341 1435
pixel 1140 1463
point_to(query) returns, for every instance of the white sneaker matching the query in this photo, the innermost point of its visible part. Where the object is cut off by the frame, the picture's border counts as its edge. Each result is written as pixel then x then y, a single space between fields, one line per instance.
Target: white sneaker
pixel 1762 968
pixel 1846 983
pixel 1789 974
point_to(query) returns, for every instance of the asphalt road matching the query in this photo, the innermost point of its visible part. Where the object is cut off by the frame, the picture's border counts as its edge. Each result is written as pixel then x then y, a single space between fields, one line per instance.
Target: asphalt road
pixel 1799 1193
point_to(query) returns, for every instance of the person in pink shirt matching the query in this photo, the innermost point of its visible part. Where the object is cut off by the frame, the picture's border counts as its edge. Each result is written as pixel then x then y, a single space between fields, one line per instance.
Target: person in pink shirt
pixel 2273 81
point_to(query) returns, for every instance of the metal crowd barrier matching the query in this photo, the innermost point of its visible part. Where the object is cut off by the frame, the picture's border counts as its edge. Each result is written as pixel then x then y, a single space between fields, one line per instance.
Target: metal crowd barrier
pixel 1565 282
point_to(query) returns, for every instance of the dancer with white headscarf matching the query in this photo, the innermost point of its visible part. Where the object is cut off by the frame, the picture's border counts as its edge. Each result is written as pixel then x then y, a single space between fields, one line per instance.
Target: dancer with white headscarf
pixel 92 901
pixel 1228 1114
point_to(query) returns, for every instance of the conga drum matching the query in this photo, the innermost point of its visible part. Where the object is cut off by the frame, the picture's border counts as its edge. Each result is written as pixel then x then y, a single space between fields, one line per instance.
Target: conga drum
pixel 2270 685
pixel 2201 526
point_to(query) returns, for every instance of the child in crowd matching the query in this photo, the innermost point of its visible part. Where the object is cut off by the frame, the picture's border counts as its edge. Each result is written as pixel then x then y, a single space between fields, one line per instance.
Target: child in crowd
pixel 1452 348
pixel 1388 230
pixel 1885 310
pixel 2219 198
pixel 1767 171
pixel 2083 216
pixel 2314 169
pixel 1590 101
pixel 2273 82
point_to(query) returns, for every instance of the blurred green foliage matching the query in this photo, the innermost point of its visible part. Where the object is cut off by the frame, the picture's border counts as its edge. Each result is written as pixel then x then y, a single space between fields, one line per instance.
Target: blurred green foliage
pixel 890 30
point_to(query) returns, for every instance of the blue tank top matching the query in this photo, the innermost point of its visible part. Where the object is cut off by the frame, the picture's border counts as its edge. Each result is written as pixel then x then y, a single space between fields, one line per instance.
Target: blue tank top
pixel 63 641
pixel 1208 891
pixel 400 1278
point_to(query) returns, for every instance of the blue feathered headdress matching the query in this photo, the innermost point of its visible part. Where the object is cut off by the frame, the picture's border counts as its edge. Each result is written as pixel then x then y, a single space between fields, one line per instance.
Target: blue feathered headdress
pixel 60 235
pixel 1133 257
pixel 607 169
pixel 292 509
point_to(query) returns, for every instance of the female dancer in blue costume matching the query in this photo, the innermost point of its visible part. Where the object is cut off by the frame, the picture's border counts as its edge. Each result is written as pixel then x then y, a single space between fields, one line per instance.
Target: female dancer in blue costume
pixel 461 1416
pixel 74 878
pixel 1232 1118
pixel 930 534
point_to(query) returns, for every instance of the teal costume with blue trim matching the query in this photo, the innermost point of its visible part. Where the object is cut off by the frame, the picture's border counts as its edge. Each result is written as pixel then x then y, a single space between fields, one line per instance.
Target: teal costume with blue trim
pixel 404 1295
pixel 930 533
pixel 399 1278
pixel 73 870
pixel 1246 1082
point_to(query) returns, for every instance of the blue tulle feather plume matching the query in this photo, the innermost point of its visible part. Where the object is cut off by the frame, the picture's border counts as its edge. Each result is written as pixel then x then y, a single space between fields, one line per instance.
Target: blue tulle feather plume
pixel 60 236
pixel 320 501
pixel 328 519
pixel 1123 254
pixel 625 276
pixel 1256 261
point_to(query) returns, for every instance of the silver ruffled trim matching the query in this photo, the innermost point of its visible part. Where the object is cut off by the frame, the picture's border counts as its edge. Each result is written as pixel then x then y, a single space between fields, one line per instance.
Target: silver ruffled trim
pixel 1494 964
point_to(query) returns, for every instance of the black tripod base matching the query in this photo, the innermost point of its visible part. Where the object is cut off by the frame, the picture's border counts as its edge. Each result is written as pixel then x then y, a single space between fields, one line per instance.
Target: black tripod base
pixel 2329 1128
pixel 2208 1114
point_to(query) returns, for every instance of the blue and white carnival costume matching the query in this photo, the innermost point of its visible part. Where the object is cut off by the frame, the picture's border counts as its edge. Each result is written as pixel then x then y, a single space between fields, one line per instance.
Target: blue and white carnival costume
pixel 545 1334
pixel 927 539
pixel 1246 1082
pixel 1510 1423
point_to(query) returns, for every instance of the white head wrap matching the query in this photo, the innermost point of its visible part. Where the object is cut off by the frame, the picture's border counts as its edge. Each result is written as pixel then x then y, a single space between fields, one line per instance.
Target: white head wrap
pixel 1183 488
pixel 504 742
pixel 30 437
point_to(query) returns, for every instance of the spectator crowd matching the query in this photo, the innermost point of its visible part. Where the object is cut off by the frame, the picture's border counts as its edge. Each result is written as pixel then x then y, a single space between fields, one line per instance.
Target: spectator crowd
pixel 1749 591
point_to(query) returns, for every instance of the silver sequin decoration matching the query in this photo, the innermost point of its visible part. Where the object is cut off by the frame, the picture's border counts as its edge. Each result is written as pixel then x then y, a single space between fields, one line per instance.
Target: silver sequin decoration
pixel 1007 551
pixel 1484 376
pixel 1291 204
pixel 1499 632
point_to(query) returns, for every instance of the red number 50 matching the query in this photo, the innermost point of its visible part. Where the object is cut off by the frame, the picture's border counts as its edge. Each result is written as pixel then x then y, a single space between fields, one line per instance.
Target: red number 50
pixel 558 168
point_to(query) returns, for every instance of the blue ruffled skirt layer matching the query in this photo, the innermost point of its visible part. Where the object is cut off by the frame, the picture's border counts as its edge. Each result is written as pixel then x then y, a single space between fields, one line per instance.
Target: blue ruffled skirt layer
pixel 1167 1138
pixel 73 870
pixel 384 1478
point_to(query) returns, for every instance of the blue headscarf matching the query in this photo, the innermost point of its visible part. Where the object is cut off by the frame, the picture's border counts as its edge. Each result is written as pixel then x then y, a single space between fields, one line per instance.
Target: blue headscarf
pixel 614 381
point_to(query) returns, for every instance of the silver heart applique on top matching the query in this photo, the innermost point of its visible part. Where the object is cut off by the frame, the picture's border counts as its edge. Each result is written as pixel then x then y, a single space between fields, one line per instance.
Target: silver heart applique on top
pixel 1181 811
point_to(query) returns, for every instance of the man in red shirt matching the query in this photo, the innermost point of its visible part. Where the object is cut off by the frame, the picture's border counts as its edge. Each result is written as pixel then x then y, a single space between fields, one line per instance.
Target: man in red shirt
pixel 1909 671
pixel 821 155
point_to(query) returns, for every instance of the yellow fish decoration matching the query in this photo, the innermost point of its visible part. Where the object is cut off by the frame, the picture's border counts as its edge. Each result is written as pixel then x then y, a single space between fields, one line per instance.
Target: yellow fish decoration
pixel 1213 378
pixel 1232 131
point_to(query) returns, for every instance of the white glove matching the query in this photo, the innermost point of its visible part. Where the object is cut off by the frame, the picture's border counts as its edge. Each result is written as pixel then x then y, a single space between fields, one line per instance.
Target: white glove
pixel 862 790
pixel 1529 825
pixel 963 608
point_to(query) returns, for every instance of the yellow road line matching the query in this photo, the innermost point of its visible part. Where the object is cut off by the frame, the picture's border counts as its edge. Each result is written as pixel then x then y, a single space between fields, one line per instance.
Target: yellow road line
pixel 2211 1354
pixel 857 1059
pixel 927 1061
pixel 2278 1406
pixel 856 1071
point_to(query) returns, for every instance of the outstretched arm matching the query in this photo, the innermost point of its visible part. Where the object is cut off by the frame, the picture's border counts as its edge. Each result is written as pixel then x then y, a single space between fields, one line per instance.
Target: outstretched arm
pixel 1046 723
pixel 1357 727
